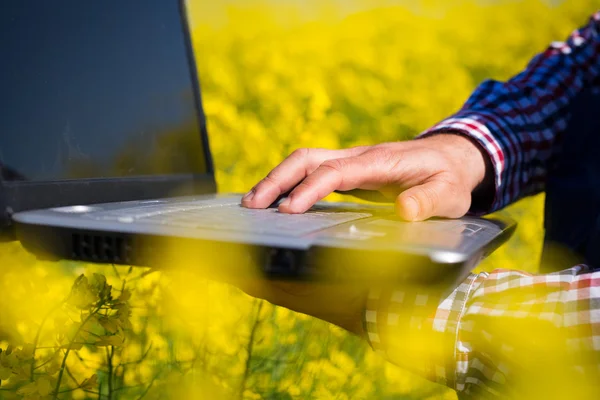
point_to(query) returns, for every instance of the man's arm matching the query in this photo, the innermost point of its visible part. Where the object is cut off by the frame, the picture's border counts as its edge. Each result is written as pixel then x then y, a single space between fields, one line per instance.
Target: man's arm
pixel 462 339
pixel 510 127
pixel 502 334
pixel 507 332
pixel 517 121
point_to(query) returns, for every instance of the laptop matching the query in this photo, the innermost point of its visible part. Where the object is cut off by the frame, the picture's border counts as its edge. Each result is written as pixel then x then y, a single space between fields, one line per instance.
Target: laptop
pixel 105 158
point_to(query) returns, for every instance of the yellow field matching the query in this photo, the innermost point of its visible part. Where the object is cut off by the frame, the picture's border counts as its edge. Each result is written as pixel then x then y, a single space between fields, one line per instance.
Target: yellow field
pixel 275 76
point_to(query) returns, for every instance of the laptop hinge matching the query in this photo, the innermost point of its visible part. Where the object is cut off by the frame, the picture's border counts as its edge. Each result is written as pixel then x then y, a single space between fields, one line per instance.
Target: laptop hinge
pixel 6 230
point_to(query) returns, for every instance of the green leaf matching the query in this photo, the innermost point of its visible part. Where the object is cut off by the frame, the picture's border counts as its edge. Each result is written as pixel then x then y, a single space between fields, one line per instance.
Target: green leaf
pixel 109 323
pixel 102 289
pixel 21 372
pixel 5 373
pixel 70 329
pixel 30 388
pixel 90 383
pixel 43 386
pixel 80 280
pixel 106 293
pixel 125 323
pixel 26 352
pixel 125 295
pixel 53 367
pixel 8 359
pixel 113 340
pixel 122 308
pixel 84 335
pixel 82 298
pixel 98 280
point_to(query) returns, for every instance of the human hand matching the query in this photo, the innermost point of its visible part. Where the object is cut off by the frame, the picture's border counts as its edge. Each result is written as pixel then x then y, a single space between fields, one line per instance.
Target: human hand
pixel 433 176
pixel 339 304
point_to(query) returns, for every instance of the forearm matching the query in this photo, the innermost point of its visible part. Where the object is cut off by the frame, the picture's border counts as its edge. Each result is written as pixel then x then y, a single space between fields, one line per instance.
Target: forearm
pixel 416 327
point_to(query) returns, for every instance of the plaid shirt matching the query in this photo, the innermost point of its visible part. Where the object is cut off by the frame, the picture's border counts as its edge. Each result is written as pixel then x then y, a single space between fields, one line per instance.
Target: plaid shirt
pixel 498 331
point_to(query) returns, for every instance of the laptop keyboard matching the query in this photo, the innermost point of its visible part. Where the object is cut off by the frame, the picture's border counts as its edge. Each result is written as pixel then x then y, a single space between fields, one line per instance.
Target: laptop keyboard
pixel 231 217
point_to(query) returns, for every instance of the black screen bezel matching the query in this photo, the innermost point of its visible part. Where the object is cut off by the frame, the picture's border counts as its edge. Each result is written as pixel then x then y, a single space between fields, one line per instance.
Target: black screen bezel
pixel 18 196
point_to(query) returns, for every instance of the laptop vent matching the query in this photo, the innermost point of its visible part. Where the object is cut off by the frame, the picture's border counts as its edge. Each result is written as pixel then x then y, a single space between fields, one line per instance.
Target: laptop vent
pixel 101 248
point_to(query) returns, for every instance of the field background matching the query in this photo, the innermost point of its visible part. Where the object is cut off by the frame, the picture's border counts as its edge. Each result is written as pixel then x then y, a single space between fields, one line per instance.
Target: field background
pixel 276 75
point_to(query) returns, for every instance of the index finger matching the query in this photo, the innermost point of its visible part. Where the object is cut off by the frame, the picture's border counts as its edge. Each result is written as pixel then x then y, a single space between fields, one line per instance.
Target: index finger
pixel 339 174
pixel 290 172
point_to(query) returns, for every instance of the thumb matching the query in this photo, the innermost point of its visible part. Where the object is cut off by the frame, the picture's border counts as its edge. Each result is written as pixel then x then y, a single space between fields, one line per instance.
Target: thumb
pixel 434 198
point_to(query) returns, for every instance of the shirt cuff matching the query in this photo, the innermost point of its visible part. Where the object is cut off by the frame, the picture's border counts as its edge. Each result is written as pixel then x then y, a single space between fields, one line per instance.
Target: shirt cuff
pixel 416 328
pixel 476 125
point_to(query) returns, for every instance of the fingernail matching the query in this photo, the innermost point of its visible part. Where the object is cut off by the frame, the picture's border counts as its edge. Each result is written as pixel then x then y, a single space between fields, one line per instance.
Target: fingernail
pixel 248 196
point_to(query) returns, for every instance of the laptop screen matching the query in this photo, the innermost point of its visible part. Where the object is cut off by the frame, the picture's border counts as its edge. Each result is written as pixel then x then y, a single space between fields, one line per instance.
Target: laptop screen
pixel 96 89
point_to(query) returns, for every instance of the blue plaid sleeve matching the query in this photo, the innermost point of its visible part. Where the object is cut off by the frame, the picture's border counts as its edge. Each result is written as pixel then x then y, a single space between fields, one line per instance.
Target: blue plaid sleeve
pixel 517 121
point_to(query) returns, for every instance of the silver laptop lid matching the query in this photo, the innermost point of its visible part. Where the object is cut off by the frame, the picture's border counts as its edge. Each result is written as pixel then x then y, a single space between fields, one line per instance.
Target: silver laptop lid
pixel 100 103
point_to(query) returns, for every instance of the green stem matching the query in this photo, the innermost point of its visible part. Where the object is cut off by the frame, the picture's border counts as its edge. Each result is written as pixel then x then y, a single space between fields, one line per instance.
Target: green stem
pixel 92 333
pixel 37 338
pixel 62 346
pixel 71 376
pixel 148 387
pixel 64 360
pixel 109 359
pixel 69 390
pixel 116 271
pixel 249 351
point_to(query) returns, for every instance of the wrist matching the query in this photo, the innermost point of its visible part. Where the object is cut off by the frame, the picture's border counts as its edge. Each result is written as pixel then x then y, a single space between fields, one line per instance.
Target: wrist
pixel 473 163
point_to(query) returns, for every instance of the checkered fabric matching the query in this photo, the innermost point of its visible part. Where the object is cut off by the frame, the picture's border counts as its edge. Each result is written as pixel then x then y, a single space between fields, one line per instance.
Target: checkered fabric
pixel 494 330
pixel 497 329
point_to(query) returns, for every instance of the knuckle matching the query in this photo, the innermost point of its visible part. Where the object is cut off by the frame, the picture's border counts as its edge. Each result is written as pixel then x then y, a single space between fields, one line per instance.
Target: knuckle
pixel 302 187
pixel 387 160
pixel 300 153
pixel 336 165
pixel 356 150
pixel 271 180
pixel 382 154
pixel 430 197
pixel 306 190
